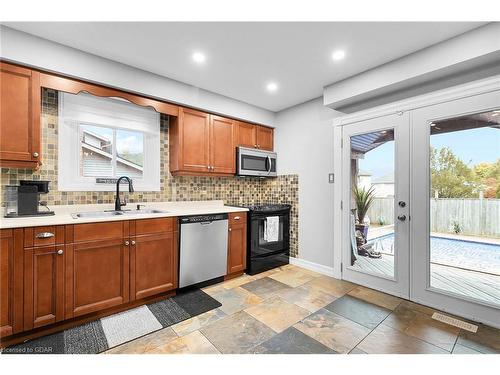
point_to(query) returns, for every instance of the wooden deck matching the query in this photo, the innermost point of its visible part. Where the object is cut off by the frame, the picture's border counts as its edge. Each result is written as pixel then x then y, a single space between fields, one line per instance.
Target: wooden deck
pixel 473 284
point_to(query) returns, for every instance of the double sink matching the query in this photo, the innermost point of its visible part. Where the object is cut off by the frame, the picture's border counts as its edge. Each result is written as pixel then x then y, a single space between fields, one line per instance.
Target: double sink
pixel 99 214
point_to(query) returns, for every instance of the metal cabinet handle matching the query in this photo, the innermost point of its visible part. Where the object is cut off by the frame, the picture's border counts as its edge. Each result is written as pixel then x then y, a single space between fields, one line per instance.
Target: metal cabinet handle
pixel 36 154
pixel 127 243
pixel 45 235
pixel 230 229
pixel 237 218
pixel 60 252
pixel 255 145
pixel 208 167
pixel 133 242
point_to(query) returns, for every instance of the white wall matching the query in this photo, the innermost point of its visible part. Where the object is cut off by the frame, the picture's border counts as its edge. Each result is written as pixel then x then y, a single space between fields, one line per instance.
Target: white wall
pixel 464 58
pixel 304 142
pixel 31 50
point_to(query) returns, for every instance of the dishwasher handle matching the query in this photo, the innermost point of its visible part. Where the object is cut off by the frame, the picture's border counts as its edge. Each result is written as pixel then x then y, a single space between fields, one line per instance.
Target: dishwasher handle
pixel 202 219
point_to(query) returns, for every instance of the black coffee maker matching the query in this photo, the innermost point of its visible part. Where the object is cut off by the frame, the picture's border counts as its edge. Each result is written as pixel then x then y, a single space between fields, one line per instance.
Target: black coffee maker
pixel 24 200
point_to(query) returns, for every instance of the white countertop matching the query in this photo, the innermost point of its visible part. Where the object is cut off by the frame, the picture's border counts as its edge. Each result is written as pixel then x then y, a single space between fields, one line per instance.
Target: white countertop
pixel 63 213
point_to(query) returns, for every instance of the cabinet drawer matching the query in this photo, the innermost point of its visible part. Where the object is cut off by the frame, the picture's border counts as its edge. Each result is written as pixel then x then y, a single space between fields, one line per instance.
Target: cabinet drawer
pixel 98 231
pixel 152 226
pixel 44 236
pixel 237 218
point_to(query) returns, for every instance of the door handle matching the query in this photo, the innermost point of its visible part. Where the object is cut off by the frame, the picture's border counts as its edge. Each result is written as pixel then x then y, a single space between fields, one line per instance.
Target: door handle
pixel 45 235
pixel 269 163
pixel 402 217
pixel 401 203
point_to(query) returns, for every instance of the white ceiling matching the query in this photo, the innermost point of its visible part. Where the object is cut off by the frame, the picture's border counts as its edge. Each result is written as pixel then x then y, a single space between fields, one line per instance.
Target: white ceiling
pixel 243 57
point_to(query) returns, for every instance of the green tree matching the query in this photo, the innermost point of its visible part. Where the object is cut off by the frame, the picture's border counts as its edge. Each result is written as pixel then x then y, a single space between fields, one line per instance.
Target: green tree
pixel 488 174
pixel 451 177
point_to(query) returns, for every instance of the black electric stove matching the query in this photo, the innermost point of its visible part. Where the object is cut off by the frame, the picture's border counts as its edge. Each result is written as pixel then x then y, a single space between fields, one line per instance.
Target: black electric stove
pixel 264 254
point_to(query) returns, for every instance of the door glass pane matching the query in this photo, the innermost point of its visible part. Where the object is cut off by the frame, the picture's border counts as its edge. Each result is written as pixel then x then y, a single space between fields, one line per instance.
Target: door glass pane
pixel 372 202
pixel 465 206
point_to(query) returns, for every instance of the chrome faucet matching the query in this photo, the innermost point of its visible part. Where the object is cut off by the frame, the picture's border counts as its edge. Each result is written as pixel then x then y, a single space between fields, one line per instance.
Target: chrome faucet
pixel 118 203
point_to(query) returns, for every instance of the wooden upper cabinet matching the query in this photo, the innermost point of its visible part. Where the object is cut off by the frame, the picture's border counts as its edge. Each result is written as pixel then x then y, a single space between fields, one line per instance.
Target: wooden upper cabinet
pixel 265 138
pixel 11 281
pixel 43 286
pixel 201 144
pixel 247 135
pixel 254 136
pixel 189 142
pixel 222 149
pixel 20 111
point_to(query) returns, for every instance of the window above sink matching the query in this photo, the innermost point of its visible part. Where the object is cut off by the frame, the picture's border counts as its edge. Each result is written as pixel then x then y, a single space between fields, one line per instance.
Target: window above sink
pixel 101 139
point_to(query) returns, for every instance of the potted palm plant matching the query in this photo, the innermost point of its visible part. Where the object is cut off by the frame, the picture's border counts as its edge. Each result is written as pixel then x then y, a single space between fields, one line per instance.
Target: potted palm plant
pixel 363 199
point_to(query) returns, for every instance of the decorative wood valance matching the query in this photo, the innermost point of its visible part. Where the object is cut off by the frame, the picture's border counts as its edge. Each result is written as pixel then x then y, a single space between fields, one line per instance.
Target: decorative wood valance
pixel 74 86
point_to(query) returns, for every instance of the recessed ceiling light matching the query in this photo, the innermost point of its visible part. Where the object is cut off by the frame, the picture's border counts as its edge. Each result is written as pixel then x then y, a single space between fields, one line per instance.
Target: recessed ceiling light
pixel 199 57
pixel 272 86
pixel 338 55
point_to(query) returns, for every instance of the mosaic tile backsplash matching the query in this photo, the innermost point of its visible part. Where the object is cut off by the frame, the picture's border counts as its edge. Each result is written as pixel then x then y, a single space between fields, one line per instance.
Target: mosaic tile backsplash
pixel 232 190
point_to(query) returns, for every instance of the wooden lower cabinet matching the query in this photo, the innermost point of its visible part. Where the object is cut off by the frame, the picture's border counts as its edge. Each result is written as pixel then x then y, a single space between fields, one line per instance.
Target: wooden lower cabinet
pixel 97 276
pixel 11 281
pixel 43 286
pixel 93 267
pixel 237 249
pixel 153 265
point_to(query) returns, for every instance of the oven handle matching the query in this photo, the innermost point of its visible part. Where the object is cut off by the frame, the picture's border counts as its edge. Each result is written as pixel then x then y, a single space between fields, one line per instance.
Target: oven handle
pixel 268 160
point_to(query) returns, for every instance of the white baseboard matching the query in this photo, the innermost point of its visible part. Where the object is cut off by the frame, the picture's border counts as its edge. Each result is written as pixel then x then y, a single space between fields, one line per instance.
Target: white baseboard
pixel 319 268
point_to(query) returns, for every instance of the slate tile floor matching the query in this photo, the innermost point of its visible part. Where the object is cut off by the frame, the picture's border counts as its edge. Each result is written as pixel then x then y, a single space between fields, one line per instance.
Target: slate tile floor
pixel 291 310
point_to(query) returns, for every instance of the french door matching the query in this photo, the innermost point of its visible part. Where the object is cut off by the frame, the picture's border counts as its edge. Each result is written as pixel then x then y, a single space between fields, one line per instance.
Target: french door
pixel 431 232
pixel 455 227
pixel 375 156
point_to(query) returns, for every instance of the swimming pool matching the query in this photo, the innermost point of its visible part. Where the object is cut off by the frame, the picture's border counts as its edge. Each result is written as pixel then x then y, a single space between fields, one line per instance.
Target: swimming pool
pixel 477 256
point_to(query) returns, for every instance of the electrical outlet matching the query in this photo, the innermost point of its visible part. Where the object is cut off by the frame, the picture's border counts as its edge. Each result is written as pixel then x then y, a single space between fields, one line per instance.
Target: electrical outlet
pixel 331 178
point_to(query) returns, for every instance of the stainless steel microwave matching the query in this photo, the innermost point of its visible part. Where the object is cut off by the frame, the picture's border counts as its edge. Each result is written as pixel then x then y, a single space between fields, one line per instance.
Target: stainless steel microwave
pixel 252 162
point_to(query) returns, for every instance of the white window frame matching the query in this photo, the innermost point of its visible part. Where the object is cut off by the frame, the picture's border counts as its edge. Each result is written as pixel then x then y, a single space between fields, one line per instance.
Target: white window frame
pixel 86 109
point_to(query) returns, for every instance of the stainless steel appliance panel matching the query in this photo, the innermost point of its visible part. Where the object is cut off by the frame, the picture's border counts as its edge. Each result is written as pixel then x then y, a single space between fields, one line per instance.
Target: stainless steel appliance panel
pixel 203 251
pixel 251 162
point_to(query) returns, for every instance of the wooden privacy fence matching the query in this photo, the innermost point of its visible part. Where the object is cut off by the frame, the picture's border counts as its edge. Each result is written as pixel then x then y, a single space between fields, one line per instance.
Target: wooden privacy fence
pixel 473 216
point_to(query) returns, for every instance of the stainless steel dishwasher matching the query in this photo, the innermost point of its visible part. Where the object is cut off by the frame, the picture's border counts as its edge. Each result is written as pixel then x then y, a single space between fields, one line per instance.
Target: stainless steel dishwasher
pixel 203 248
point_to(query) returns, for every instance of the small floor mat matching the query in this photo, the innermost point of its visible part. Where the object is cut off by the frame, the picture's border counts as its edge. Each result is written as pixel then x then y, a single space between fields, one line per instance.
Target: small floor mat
pixel 108 332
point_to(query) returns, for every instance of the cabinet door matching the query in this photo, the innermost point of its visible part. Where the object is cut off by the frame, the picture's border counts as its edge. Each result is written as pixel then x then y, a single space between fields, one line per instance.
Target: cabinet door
pixel 98 273
pixel 222 150
pixel 20 111
pixel 265 138
pixel 153 264
pixel 194 153
pixel 11 283
pixel 43 286
pixel 237 257
pixel 246 135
